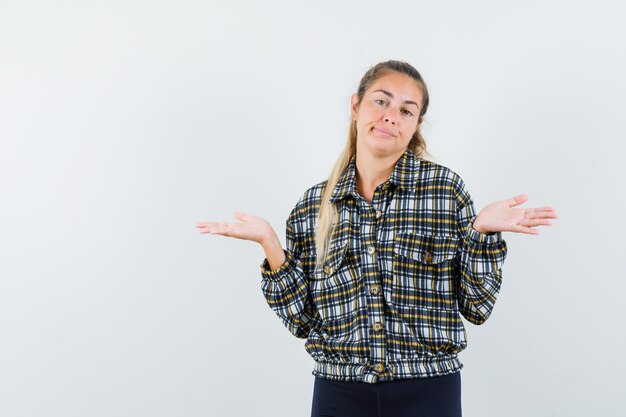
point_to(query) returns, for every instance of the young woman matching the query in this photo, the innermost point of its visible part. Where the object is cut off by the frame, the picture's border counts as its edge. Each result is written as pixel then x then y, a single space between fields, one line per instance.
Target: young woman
pixel 383 259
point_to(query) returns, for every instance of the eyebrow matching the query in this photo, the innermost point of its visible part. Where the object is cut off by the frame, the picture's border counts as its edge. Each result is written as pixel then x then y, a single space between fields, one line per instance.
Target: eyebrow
pixel 391 95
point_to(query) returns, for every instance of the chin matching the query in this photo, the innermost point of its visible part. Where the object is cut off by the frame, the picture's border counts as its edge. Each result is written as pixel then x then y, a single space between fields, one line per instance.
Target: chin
pixel 380 147
pixel 381 151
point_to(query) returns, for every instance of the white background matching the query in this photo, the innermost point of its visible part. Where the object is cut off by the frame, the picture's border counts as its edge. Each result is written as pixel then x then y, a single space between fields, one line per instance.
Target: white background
pixel 124 123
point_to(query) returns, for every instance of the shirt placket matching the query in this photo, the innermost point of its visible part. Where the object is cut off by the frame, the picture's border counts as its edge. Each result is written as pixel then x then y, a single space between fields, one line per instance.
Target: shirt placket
pixel 371 218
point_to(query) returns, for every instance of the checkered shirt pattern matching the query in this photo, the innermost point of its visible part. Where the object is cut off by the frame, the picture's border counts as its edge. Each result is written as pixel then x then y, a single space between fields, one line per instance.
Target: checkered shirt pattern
pixel 399 274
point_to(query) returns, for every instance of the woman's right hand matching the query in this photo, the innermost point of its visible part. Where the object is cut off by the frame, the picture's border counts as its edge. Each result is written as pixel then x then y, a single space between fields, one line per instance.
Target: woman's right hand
pixel 251 228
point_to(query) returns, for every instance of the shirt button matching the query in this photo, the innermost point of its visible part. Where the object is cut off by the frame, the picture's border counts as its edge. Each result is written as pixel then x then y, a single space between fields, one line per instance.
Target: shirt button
pixel 378 326
pixel 428 257
pixel 371 250
pixel 375 290
pixel 379 367
pixel 378 214
pixel 328 269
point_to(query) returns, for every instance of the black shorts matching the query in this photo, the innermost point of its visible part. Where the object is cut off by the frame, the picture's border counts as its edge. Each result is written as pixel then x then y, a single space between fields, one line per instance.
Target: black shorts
pixel 438 396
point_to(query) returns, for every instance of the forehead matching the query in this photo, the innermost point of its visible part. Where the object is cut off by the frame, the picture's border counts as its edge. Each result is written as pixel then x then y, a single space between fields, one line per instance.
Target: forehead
pixel 400 85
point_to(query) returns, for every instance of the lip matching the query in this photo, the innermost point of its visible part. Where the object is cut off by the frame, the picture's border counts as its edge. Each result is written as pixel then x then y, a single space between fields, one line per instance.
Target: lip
pixel 384 132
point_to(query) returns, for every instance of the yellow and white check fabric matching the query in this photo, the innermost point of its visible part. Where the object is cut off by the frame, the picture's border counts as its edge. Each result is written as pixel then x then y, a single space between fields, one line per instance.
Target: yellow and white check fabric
pixel 399 274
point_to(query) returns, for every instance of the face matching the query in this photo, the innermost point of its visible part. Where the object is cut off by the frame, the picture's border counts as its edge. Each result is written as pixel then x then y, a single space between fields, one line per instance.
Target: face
pixel 388 115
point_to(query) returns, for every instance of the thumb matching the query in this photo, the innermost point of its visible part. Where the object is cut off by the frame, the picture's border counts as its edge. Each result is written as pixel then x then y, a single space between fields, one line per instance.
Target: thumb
pixel 518 199
pixel 240 215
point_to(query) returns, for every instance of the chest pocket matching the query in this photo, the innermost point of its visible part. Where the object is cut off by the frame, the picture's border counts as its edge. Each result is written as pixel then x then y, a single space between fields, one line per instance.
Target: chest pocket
pixel 334 285
pixel 424 270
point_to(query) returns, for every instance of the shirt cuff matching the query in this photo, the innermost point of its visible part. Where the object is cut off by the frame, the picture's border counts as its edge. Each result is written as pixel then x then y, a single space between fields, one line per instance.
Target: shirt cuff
pixel 287 266
pixel 477 237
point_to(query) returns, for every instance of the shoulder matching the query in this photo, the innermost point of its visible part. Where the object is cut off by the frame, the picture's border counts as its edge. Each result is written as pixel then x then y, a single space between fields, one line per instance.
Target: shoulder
pixel 307 206
pixel 442 175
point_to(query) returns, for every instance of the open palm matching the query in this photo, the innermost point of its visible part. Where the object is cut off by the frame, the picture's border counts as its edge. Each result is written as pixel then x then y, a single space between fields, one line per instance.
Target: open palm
pixel 504 216
pixel 251 228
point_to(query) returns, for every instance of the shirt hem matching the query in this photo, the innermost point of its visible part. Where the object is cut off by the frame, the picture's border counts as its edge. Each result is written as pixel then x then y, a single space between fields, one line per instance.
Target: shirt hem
pixel 406 369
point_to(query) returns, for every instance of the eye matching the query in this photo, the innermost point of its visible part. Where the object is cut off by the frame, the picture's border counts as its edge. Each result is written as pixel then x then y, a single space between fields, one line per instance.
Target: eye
pixel 381 102
pixel 408 113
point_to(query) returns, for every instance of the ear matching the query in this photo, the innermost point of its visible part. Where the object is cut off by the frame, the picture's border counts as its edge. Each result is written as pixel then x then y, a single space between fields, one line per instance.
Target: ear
pixel 354 105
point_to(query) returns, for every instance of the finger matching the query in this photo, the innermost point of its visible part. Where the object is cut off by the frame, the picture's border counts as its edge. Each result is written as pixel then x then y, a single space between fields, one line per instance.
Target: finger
pixel 526 230
pixel 222 227
pixel 517 200
pixel 549 212
pixel 240 215
pixel 209 230
pixel 204 226
pixel 207 224
pixel 535 222
pixel 540 213
pixel 214 227
pixel 545 209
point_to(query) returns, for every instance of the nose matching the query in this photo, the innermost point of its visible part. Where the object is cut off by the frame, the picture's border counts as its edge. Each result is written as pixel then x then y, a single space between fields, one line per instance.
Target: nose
pixel 389 117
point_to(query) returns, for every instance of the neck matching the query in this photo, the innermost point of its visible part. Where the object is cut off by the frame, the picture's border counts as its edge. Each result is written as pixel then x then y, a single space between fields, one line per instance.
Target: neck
pixel 371 171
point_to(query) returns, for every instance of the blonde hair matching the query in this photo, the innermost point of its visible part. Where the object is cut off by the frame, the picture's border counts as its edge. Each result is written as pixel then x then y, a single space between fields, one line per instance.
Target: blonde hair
pixel 328 214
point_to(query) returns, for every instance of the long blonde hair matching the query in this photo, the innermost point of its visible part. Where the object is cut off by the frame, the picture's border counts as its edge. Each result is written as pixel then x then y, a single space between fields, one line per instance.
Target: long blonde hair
pixel 328 214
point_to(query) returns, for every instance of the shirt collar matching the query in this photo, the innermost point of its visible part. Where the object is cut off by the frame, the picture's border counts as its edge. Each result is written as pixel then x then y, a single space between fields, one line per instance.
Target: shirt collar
pixel 403 176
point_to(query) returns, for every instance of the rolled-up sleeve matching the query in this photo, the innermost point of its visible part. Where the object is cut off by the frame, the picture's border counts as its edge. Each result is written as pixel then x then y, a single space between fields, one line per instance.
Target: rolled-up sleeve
pixel 479 262
pixel 286 288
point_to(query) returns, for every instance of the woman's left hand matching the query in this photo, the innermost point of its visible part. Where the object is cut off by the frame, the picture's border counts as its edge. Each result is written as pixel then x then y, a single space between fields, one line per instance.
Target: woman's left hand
pixel 502 216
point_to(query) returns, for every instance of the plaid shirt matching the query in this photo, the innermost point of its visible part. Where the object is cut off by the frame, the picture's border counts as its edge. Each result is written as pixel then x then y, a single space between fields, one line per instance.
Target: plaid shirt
pixel 400 272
